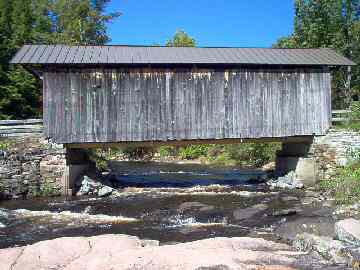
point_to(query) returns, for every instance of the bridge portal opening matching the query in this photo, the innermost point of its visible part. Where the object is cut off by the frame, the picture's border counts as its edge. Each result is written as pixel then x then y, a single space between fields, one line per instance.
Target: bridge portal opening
pixel 159 165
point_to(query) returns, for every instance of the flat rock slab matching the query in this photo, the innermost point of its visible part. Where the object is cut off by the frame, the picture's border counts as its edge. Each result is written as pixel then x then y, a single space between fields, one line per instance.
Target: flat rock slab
pixel 186 206
pixel 348 230
pixel 246 213
pixel 119 252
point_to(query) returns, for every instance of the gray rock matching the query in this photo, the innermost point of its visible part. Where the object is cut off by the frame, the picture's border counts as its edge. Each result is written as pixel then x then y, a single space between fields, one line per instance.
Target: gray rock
pixel 310 193
pixel 328 248
pixel 348 230
pixel 347 210
pixel 245 213
pixel 287 181
pixel 354 254
pixel 323 226
pixel 215 267
pixel 4 213
pixel 195 205
pixel 115 194
pixel 87 186
pixel 285 212
pixel 2 225
pixel 105 191
pixel 289 198
pixel 307 200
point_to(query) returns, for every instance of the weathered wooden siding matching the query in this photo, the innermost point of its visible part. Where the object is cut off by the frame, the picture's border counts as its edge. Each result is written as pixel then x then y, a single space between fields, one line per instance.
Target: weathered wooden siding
pixel 114 105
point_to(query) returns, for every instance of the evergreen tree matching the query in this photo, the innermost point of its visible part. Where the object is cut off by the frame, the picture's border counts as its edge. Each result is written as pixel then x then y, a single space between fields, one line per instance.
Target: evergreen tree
pixel 19 90
pixel 5 34
pixel 45 22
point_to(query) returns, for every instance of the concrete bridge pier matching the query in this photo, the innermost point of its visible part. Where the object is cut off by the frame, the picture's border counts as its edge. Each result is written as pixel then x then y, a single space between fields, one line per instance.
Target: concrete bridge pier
pixel 77 162
pixel 297 157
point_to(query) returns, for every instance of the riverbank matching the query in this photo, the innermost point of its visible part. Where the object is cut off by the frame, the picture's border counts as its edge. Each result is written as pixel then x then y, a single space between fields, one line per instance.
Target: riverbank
pixel 119 252
pixel 183 202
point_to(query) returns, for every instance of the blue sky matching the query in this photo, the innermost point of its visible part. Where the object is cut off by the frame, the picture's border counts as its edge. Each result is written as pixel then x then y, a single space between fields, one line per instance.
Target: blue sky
pixel 236 23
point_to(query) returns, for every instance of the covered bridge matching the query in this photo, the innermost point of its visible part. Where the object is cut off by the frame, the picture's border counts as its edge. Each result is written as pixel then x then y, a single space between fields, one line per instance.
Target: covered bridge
pixel 99 95
pixel 103 94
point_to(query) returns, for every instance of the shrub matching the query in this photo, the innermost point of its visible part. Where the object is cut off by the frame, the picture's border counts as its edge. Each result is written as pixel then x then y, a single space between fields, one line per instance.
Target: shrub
pixel 6 144
pixel 136 153
pixel 345 186
pixel 193 151
pixel 355 109
pixel 98 156
pixel 167 151
pixel 47 189
pixel 253 154
pixel 246 154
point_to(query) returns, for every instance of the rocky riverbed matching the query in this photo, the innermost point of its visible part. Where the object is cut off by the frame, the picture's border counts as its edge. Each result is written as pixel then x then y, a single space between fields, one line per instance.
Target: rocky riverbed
pixel 178 207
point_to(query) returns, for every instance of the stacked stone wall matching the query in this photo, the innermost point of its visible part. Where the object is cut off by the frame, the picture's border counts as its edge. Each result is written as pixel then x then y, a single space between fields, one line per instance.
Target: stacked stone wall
pixel 336 149
pixel 29 167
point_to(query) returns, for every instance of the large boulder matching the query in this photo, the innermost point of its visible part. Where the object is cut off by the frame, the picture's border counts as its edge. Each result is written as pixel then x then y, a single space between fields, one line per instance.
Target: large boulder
pixel 88 186
pixel 128 252
pixel 328 248
pixel 348 230
pixel 288 181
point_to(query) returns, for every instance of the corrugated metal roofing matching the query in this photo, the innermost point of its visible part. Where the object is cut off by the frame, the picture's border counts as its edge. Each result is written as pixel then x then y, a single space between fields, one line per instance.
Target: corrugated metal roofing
pixel 113 54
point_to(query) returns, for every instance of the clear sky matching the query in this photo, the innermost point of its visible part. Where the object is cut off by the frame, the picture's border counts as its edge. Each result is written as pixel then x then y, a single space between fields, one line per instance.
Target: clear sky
pixel 236 23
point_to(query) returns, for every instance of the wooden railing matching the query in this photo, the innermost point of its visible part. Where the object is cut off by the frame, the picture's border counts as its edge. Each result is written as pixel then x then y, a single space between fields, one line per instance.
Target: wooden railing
pixel 343 116
pixel 18 128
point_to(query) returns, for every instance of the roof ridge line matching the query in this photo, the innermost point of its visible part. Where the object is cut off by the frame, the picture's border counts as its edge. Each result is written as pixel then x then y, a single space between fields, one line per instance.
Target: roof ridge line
pixel 172 47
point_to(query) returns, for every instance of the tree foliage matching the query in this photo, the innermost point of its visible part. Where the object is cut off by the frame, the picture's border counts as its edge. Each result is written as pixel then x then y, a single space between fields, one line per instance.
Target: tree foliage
pixel 334 24
pixel 42 22
pixel 81 22
pixel 181 39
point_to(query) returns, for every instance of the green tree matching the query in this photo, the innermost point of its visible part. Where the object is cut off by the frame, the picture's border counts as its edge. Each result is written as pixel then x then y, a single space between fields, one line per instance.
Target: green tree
pixel 5 33
pixel 181 39
pixel 333 24
pixel 46 22
pixel 19 90
pixel 81 22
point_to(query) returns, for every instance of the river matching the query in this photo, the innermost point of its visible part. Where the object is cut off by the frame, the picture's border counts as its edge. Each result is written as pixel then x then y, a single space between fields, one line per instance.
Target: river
pixel 166 202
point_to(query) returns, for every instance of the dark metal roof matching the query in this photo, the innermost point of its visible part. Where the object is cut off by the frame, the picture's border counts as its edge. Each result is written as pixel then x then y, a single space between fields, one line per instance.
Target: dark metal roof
pixel 113 54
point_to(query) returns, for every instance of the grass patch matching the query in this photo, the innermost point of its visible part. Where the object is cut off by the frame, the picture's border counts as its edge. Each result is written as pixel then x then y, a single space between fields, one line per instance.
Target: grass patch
pixel 345 187
pixel 353 126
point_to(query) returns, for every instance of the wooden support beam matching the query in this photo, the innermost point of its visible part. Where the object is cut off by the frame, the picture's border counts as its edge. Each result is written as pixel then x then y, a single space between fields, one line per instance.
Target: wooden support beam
pixel 299 139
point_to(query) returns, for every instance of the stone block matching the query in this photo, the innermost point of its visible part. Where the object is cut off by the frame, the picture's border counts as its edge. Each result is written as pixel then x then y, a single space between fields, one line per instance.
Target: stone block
pixel 305 168
pixel 71 174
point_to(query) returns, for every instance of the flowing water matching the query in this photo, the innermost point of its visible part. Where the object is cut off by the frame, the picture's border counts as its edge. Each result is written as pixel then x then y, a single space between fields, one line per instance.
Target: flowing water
pixel 166 202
